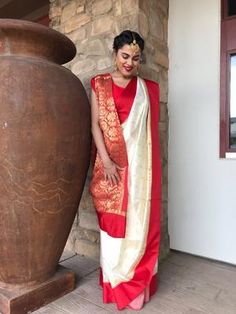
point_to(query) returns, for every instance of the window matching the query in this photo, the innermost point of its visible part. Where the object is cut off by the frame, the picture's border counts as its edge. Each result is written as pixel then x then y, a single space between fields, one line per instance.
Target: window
pixel 228 79
pixel 231 10
pixel 232 102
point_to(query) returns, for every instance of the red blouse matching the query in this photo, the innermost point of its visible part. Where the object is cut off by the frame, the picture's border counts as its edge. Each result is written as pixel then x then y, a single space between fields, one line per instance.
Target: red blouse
pixel 123 97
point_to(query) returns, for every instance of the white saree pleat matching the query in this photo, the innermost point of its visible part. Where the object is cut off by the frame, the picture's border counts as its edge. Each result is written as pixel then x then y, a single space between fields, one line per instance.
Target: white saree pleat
pixel 120 256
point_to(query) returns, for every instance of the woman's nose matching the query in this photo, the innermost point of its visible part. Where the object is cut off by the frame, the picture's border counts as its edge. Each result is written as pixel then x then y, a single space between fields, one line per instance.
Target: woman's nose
pixel 129 61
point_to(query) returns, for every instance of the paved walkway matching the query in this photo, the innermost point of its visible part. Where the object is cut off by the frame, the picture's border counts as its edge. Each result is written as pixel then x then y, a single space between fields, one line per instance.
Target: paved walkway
pixel 187 285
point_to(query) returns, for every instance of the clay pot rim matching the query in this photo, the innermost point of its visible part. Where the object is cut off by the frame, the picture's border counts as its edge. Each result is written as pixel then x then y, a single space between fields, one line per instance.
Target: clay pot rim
pixel 62 48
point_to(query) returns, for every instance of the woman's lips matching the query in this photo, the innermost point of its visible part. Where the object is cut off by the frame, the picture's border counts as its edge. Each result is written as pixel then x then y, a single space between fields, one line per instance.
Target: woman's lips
pixel 128 69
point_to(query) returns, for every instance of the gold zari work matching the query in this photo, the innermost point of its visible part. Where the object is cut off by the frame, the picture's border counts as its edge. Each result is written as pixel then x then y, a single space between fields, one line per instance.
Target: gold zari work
pixel 109 198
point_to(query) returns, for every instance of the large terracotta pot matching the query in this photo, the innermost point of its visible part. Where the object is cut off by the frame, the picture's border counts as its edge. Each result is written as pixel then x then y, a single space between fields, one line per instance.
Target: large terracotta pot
pixel 44 149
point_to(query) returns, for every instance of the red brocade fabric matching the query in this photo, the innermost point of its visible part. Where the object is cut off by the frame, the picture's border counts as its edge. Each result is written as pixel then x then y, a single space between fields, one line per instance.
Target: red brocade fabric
pixel 143 276
pixel 109 200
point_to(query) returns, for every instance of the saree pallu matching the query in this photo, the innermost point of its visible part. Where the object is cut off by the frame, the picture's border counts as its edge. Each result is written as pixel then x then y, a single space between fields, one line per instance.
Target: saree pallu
pixel 129 263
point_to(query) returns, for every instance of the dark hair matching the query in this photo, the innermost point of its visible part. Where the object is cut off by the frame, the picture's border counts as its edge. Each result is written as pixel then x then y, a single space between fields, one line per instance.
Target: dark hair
pixel 127 37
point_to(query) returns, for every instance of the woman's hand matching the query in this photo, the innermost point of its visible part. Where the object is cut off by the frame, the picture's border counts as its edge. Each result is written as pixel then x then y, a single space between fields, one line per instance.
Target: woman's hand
pixel 110 168
pixel 111 172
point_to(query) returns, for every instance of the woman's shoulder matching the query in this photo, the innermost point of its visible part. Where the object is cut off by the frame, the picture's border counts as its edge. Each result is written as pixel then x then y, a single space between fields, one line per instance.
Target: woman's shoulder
pixel 99 76
pixel 151 83
pixel 152 86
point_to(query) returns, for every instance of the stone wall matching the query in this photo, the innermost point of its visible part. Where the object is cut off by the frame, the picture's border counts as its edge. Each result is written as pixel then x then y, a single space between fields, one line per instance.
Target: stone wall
pixel 92 25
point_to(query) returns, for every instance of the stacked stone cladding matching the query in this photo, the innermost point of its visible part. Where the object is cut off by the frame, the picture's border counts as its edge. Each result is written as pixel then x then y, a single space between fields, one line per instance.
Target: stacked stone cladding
pixel 92 25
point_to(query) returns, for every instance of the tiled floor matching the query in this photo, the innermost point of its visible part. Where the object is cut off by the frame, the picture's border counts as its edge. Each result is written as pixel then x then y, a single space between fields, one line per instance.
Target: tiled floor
pixel 187 285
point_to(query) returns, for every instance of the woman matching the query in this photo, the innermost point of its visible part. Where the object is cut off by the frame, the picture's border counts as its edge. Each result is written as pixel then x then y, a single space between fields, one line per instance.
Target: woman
pixel 126 183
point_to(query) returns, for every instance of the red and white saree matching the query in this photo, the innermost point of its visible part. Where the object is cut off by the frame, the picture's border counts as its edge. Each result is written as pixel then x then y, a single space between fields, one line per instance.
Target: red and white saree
pixel 128 213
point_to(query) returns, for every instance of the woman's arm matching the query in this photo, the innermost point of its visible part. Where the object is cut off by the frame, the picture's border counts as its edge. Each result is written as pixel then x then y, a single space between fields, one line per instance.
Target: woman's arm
pixel 110 168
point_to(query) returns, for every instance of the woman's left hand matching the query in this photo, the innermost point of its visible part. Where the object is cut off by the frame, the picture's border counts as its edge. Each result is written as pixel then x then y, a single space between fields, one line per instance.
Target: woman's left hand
pixel 111 173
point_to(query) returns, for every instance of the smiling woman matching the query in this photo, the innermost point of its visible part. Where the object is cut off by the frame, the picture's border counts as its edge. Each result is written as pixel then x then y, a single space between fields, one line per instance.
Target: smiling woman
pixel 126 193
pixel 127 63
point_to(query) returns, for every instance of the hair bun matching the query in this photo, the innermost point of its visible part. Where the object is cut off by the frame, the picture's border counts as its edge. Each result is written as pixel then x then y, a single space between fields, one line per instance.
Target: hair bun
pixel 128 37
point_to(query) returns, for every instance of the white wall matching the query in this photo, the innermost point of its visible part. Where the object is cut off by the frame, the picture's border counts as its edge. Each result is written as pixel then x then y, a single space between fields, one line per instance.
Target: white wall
pixel 202 187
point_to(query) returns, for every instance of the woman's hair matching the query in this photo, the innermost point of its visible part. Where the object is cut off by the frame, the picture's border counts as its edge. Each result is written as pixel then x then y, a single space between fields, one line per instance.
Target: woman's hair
pixel 127 37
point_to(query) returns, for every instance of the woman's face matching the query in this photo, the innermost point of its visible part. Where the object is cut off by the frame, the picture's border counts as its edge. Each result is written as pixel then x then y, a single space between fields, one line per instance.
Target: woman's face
pixel 127 61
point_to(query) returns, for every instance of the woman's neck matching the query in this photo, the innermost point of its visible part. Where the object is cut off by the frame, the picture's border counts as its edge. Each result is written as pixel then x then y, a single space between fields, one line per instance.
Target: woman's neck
pixel 120 80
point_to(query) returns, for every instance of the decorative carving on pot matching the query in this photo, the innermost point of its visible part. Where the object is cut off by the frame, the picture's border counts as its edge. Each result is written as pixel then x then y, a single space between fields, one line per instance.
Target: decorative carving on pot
pixel 44 157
